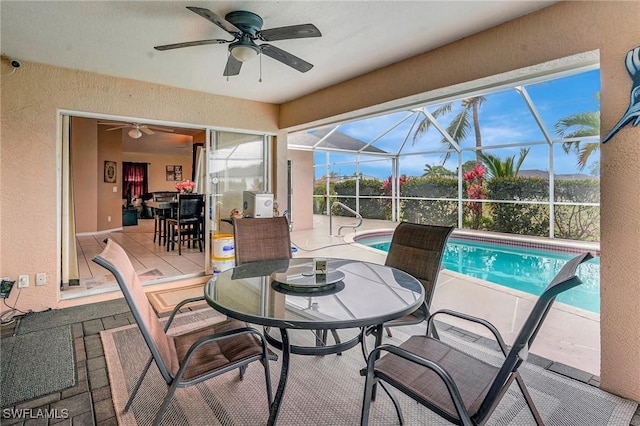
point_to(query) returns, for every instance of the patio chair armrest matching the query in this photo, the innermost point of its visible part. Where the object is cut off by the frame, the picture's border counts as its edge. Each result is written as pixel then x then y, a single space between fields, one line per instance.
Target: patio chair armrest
pixel 431 365
pixel 178 307
pixel 476 320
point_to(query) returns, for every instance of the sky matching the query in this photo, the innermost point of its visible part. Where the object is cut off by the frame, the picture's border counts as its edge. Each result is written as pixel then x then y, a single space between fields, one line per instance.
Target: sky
pixel 504 119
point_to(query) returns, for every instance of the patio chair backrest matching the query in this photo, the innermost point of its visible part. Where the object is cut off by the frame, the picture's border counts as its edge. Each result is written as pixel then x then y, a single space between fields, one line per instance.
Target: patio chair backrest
pixel 116 261
pixel 257 239
pixel 417 249
pixel 564 280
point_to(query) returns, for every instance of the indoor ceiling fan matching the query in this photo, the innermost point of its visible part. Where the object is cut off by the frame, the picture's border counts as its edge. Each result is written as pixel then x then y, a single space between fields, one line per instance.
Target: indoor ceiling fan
pixel 245 27
pixel 137 129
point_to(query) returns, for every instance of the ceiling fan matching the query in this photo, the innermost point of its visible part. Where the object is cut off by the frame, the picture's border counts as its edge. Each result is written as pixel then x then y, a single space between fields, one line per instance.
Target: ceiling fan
pixel 136 129
pixel 246 28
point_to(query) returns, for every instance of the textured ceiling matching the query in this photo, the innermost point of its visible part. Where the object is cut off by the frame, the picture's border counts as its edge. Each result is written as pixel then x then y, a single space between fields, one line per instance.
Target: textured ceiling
pixel 117 38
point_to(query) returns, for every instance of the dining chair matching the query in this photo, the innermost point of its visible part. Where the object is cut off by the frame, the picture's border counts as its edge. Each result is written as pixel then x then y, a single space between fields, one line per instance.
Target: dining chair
pixel 269 238
pixel 257 239
pixel 456 385
pixel 190 358
pixel 416 249
pixel 160 216
pixel 184 226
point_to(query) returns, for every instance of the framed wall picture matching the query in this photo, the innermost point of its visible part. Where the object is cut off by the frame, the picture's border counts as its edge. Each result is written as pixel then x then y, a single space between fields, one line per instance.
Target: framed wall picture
pixel 110 170
pixel 174 172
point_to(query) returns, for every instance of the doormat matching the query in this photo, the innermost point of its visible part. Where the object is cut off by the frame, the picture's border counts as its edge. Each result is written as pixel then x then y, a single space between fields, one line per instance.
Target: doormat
pixel 163 301
pixel 36 364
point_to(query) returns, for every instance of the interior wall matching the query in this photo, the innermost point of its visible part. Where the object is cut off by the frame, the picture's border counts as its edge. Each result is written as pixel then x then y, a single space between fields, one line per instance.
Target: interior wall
pixel 32 99
pixel 515 48
pixel 157 168
pixel 109 193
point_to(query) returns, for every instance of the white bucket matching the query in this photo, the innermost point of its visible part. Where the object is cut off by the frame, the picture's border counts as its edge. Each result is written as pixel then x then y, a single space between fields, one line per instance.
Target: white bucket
pixel 220 265
pixel 223 247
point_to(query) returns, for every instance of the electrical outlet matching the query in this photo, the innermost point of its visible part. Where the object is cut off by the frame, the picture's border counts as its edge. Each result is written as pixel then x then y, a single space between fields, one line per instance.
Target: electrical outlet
pixel 41 278
pixel 108 218
pixel 23 281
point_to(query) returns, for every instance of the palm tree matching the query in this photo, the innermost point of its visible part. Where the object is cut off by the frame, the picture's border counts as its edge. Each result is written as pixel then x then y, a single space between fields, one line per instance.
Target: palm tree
pixel 459 126
pixel 579 126
pixel 507 168
pixel 436 171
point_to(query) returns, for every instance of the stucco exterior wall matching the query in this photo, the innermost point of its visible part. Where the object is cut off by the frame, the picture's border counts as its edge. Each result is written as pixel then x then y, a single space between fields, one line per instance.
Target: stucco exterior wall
pixel 30 153
pixel 561 30
pixel 302 188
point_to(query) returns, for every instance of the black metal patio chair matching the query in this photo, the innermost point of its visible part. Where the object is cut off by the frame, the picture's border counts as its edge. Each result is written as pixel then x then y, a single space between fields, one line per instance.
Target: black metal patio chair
pixel 416 249
pixel 190 358
pixel 455 385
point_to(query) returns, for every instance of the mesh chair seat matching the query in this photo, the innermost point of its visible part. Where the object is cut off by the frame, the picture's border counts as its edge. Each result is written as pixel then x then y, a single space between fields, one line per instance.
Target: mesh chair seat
pixel 218 354
pixel 473 376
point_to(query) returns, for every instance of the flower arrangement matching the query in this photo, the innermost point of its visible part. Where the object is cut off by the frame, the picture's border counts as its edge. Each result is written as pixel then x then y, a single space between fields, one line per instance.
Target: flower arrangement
pixel 185 187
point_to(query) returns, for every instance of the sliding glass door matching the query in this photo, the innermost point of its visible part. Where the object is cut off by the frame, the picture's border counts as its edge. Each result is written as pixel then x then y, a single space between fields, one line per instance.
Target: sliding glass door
pixel 236 162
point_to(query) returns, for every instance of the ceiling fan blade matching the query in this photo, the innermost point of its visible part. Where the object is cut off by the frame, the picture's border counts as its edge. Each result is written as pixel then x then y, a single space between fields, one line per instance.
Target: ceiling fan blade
pixel 113 123
pixel 293 31
pixel 146 130
pixel 233 67
pixel 285 57
pixel 191 43
pixel 218 20
pixel 116 128
pixel 159 129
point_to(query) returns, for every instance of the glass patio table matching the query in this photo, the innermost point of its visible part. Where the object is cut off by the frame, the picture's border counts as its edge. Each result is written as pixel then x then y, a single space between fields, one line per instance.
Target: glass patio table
pixel 289 295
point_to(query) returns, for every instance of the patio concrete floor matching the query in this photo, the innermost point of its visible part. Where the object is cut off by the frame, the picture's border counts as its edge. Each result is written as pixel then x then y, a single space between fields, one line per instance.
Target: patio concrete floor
pixel 569 336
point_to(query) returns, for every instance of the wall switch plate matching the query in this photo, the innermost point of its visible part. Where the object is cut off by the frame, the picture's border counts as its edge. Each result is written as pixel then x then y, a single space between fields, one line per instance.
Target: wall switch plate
pixel 23 281
pixel 108 218
pixel 115 189
pixel 41 278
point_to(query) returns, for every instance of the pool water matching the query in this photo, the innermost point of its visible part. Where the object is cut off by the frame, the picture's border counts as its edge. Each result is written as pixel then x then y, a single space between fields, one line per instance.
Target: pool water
pixel 520 268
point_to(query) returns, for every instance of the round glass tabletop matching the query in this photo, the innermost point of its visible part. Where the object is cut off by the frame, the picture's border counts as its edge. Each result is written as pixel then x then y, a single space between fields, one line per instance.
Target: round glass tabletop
pixel 288 294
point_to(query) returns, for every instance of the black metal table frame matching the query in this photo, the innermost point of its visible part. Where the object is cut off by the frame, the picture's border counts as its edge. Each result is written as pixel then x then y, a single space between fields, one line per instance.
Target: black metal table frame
pixel 287 349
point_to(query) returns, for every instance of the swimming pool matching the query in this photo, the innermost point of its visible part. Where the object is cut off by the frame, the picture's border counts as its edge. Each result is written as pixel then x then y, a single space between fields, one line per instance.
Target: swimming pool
pixel 526 269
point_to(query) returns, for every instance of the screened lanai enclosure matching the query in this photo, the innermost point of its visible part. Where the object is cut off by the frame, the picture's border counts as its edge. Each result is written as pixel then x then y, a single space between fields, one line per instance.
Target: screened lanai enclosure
pixel 522 159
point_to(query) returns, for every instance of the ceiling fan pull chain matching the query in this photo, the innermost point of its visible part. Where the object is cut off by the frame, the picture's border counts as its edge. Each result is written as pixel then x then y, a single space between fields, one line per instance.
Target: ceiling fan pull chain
pixel 260 79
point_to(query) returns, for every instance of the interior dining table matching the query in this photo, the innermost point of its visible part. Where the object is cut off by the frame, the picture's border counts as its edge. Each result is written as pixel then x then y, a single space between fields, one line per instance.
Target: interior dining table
pixel 318 295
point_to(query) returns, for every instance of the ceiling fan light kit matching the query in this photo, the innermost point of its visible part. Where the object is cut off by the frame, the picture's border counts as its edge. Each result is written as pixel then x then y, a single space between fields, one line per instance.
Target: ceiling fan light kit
pixel 246 28
pixel 244 52
pixel 137 129
pixel 135 133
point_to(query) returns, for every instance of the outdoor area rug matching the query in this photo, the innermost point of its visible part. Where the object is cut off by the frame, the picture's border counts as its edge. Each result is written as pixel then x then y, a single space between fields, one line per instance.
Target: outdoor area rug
pixel 328 390
pixel 26 374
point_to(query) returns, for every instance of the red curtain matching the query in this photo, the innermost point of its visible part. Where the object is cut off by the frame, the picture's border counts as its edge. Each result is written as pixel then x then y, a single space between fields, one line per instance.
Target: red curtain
pixel 135 180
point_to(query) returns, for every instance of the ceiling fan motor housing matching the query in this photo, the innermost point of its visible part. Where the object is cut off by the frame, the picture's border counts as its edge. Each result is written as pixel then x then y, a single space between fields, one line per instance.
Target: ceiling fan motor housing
pixel 248 22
